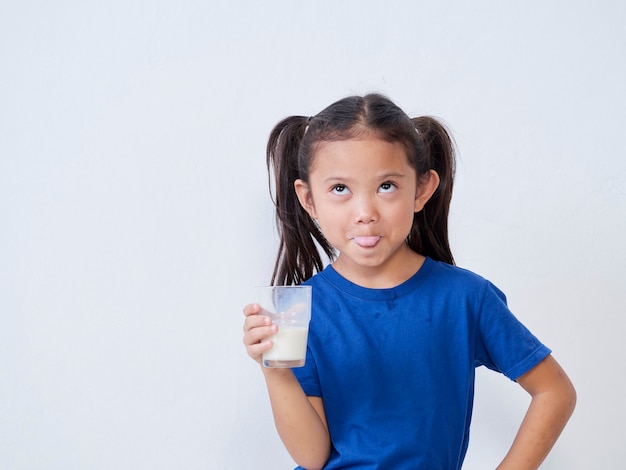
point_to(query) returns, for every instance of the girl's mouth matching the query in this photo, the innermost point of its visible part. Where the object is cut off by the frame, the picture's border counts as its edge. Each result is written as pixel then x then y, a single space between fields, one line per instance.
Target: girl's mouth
pixel 366 242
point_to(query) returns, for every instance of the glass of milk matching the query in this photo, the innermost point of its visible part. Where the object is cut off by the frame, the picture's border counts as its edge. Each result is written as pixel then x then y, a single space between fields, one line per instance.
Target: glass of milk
pixel 290 309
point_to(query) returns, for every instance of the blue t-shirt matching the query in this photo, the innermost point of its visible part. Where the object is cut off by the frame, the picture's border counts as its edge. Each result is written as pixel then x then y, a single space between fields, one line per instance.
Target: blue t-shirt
pixel 395 367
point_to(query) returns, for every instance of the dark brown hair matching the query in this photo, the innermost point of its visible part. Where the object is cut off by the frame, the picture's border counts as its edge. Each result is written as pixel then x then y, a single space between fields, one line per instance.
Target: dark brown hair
pixel 291 146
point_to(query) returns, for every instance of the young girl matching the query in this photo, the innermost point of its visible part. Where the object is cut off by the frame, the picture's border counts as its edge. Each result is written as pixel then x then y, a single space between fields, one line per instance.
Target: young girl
pixel 397 330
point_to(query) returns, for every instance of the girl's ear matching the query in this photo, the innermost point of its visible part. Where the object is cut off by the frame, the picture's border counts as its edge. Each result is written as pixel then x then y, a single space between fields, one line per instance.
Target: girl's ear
pixel 425 189
pixel 304 196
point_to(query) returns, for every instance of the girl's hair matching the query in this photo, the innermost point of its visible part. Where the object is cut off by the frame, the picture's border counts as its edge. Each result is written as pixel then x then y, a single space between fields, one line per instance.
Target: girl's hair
pixel 291 148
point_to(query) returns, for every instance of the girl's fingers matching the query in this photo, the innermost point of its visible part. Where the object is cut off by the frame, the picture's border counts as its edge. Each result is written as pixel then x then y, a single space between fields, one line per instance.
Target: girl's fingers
pixel 256 331
pixel 255 320
pixel 256 351
pixel 251 309
pixel 257 343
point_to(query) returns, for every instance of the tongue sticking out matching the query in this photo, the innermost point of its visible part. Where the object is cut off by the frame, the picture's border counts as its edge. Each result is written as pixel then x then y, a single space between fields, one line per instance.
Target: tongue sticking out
pixel 366 242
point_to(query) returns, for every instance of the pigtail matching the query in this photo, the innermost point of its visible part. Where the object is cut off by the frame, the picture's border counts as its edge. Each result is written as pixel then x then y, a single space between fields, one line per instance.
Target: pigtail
pixel 429 235
pixel 297 257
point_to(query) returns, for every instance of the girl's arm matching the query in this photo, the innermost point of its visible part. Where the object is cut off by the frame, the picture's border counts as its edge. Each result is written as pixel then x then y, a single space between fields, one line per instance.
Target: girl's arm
pixel 300 420
pixel 552 404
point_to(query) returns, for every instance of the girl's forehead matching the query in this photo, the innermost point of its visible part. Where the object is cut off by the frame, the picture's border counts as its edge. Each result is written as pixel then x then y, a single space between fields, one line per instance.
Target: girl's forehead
pixel 358 151
pixel 353 147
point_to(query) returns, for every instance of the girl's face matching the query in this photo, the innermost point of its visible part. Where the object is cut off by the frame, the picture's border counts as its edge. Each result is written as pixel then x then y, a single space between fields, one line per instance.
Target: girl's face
pixel 363 193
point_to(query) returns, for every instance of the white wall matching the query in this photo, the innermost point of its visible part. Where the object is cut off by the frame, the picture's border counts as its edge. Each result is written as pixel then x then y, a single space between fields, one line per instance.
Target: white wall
pixel 134 215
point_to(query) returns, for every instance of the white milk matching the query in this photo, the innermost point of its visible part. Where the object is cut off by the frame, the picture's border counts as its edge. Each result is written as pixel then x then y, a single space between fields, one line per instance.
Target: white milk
pixel 289 349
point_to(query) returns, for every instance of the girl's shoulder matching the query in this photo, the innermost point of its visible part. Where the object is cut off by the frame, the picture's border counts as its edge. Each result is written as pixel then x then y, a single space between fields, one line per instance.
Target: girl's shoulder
pixel 458 277
pixel 458 281
pixel 454 272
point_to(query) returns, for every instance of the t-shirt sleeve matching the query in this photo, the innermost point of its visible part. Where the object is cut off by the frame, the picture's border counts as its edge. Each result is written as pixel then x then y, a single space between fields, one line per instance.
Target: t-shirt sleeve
pixel 308 377
pixel 504 344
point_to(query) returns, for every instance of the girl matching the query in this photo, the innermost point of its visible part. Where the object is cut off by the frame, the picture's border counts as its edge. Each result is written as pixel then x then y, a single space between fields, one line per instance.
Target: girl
pixel 397 329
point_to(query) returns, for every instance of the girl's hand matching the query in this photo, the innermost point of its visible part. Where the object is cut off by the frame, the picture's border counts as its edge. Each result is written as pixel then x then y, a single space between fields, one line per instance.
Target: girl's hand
pixel 256 328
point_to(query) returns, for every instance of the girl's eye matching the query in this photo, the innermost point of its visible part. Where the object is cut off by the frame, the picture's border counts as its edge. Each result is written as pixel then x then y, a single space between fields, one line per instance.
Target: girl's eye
pixel 340 189
pixel 387 187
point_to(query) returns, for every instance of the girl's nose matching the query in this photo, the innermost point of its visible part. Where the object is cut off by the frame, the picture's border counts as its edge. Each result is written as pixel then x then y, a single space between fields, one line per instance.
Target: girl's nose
pixel 365 210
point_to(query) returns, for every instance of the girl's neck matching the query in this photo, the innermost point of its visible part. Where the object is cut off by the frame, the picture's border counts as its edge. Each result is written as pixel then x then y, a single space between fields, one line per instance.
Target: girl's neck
pixel 380 277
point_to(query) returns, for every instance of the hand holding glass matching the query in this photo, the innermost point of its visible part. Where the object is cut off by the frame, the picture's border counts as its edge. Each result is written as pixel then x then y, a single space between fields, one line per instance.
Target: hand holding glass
pixel 289 307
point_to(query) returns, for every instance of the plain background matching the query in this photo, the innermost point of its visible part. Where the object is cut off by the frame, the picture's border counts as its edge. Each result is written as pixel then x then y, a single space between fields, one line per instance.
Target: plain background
pixel 135 218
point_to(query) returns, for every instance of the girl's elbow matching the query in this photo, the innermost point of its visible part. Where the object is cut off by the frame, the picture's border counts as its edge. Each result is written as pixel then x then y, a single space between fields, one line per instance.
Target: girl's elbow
pixel 563 399
pixel 314 462
pixel 317 467
pixel 571 397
